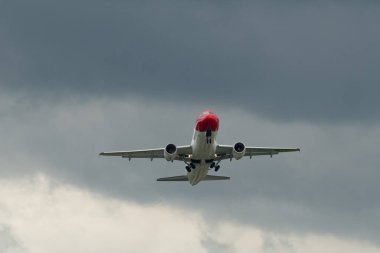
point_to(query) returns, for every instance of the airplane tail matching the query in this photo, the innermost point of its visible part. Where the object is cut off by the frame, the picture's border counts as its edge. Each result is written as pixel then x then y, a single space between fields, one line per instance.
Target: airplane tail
pixel 184 178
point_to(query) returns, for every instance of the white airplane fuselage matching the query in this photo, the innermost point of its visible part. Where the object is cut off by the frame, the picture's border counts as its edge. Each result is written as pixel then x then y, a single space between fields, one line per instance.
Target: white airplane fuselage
pixel 203 146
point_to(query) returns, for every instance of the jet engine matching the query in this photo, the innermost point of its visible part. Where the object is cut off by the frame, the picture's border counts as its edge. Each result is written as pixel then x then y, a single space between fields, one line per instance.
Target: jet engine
pixel 238 151
pixel 170 152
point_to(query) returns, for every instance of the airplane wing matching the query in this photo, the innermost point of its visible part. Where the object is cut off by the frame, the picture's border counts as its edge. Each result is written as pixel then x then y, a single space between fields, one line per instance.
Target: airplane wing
pixel 182 151
pixel 225 151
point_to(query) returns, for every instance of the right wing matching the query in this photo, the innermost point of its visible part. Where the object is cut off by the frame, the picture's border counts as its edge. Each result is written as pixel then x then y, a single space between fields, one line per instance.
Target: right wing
pixel 182 151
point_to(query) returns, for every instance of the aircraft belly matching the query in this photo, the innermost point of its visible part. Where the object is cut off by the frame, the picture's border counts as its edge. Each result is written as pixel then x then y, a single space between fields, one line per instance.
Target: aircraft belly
pixel 202 149
pixel 198 174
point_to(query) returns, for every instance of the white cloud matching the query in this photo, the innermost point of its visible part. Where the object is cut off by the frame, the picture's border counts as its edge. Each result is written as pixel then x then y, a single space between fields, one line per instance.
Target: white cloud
pixel 8 243
pixel 242 238
pixel 48 216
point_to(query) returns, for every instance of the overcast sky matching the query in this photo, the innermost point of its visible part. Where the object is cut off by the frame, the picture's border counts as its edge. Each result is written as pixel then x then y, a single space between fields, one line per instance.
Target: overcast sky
pixel 81 77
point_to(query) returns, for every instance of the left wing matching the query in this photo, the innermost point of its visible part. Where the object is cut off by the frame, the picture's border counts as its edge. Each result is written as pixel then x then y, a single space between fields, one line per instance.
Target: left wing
pixel 182 152
pixel 225 151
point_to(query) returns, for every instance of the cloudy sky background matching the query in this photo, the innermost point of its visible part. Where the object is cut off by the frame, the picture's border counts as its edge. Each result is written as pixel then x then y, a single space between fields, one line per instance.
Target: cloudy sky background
pixel 81 77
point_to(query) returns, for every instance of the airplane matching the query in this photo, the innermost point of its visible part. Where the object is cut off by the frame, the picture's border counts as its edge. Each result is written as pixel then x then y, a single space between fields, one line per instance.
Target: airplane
pixel 203 154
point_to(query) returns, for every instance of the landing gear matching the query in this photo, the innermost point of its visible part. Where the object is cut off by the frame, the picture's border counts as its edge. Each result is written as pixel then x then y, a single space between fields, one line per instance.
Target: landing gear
pixel 189 166
pixel 208 136
pixel 215 165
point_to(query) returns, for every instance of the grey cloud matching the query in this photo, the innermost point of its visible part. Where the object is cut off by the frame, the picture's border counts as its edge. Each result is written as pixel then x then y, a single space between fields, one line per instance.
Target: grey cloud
pixel 271 243
pixel 330 187
pixel 211 245
pixel 293 60
pixel 112 64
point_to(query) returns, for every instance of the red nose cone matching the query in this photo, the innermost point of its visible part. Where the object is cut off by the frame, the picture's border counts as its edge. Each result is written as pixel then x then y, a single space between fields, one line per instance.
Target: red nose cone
pixel 207 121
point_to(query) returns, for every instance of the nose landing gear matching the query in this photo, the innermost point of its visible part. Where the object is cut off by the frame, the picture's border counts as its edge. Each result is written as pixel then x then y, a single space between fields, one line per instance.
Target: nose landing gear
pixel 208 136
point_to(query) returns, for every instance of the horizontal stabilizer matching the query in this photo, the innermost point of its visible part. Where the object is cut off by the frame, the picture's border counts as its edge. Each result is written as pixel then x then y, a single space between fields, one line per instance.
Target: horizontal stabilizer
pixel 211 177
pixel 176 178
pixel 184 178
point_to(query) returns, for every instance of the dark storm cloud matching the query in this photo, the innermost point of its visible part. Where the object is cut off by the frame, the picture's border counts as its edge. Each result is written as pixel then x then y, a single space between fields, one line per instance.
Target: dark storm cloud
pixel 296 60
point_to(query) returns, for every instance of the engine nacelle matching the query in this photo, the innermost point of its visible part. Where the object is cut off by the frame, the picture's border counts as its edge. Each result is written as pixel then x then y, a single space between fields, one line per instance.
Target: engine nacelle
pixel 170 152
pixel 239 150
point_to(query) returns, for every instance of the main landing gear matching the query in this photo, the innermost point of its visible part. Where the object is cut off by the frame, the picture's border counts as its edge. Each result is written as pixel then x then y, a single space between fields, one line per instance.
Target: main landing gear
pixel 215 165
pixel 190 166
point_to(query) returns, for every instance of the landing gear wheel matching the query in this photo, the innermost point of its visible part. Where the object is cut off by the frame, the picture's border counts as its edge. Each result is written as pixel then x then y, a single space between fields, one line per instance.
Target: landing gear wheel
pixel 217 168
pixel 192 165
pixel 212 165
pixel 188 169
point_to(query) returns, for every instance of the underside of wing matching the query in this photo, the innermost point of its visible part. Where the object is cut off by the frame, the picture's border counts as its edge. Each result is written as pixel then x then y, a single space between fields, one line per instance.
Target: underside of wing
pixel 226 151
pixel 182 151
pixel 254 151
pixel 146 153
